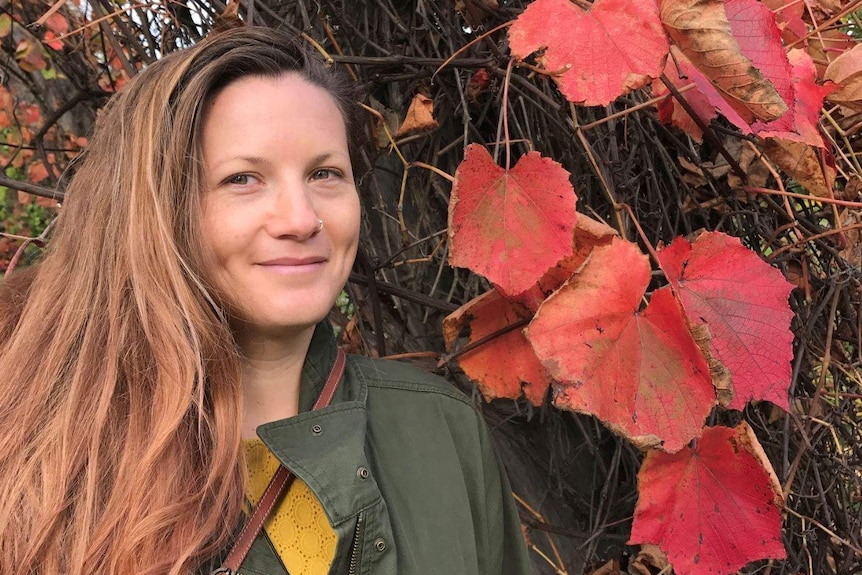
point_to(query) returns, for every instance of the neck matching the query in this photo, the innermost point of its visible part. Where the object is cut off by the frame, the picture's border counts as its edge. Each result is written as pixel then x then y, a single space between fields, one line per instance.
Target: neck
pixel 271 376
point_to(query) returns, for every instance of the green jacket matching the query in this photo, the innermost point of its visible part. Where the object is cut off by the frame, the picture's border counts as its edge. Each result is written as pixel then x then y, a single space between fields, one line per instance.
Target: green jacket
pixel 405 469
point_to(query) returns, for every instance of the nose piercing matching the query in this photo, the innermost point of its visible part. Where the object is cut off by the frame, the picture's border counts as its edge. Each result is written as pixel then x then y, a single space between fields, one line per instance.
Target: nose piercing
pixel 319 226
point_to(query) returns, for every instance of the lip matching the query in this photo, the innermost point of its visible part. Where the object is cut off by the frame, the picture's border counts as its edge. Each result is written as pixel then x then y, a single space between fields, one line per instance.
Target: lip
pixel 290 266
pixel 293 262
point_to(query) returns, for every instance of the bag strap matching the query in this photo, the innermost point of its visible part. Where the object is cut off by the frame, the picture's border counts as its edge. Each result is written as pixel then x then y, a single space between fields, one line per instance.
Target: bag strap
pixel 279 483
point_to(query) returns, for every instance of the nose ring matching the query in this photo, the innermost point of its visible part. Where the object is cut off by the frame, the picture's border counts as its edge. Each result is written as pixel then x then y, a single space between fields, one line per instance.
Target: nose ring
pixel 319 226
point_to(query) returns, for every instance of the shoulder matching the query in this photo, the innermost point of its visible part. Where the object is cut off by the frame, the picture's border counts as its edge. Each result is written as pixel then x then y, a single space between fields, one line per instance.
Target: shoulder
pixel 388 377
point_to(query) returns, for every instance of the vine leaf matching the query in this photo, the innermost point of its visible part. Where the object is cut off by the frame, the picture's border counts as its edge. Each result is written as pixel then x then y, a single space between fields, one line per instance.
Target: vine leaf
pixel 511 226
pixel 703 33
pixel 704 98
pixel 713 507
pixel 805 99
pixel 419 118
pixel 846 70
pixel 638 371
pixel 506 365
pixel 588 234
pixel 743 301
pixel 615 47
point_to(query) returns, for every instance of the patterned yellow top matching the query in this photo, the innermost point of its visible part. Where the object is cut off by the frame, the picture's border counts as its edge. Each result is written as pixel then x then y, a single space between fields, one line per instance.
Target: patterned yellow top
pixel 297 527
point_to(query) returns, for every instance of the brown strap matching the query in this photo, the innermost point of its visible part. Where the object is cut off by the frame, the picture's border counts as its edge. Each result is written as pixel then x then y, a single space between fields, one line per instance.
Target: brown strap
pixel 277 485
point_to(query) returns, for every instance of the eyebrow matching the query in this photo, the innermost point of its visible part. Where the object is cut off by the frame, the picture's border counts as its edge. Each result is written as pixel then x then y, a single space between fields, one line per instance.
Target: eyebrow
pixel 254 160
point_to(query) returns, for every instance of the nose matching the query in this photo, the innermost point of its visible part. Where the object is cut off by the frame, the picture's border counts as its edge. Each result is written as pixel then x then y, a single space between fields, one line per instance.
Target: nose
pixel 292 214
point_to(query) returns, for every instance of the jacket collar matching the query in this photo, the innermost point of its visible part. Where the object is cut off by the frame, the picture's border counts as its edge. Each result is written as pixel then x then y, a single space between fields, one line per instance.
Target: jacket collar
pixel 318 363
pixel 326 448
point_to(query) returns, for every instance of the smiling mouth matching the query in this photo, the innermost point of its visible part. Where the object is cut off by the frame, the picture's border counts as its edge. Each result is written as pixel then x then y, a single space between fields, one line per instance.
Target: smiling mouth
pixel 289 265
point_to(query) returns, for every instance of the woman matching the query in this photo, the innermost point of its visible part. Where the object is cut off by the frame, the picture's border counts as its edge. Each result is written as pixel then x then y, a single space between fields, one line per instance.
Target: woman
pixel 171 345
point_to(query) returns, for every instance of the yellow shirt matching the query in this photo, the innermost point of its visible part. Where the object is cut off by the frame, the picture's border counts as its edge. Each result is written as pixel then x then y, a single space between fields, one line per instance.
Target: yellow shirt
pixel 297 527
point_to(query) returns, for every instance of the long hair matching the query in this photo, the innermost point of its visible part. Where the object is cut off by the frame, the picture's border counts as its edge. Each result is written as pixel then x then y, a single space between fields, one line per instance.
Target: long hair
pixel 120 394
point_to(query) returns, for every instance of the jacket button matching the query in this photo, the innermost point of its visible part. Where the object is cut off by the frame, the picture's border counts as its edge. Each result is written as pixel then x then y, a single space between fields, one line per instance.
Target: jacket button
pixel 362 473
pixel 316 429
pixel 380 544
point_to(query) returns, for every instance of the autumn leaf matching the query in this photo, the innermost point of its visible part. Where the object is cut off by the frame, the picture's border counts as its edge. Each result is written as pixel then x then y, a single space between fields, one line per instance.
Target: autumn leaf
pixel 808 165
pixel 823 47
pixel 615 47
pixel 704 97
pixel 743 301
pixel 703 33
pixel 474 11
pixel 713 507
pixel 801 124
pixel 638 371
pixel 588 234
pixel 419 117
pixel 5 25
pixel 846 71
pixel 511 226
pixel 788 16
pixel 37 172
pixel 506 365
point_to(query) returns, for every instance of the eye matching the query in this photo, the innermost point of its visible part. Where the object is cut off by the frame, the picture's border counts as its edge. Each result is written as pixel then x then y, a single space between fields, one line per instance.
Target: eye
pixel 326 174
pixel 240 180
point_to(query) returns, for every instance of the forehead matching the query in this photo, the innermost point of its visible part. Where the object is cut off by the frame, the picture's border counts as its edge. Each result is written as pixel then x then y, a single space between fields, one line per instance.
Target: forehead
pixel 264 111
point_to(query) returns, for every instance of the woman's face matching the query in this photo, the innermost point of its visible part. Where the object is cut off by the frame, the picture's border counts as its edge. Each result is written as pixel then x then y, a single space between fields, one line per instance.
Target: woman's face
pixel 276 162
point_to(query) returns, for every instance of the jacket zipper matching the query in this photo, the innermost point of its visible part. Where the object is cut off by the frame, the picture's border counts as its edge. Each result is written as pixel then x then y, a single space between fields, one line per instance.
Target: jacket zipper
pixel 354 548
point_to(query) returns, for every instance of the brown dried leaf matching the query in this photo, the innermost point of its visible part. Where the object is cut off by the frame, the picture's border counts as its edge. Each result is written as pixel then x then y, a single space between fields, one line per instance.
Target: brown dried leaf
pixel 852 251
pixel 722 379
pixel 649 559
pixel 701 30
pixel 474 11
pixel 756 170
pixel 802 162
pixel 419 117
pixel 846 71
pixel 612 567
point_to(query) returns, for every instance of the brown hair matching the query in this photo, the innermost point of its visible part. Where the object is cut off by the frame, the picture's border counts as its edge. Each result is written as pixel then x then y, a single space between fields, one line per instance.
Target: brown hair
pixel 119 383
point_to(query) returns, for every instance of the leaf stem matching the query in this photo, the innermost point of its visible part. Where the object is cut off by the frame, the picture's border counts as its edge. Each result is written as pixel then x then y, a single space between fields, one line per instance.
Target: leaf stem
pixel 505 113
pixel 845 203
pixel 633 109
pixel 641 233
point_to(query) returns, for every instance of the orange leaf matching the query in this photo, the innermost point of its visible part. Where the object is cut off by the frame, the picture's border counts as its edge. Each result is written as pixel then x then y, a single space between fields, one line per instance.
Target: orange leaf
pixel 638 371
pixel 743 302
pixel 510 225
pixel 713 507
pixel 419 117
pixel 702 31
pixel 615 47
pixel 506 365
pixel 588 234
pixel 36 172
pixel 846 71
pixel 808 165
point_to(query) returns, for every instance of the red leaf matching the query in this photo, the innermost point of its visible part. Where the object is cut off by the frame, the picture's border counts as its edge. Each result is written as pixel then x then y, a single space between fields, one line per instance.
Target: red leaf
pixel 743 302
pixel 57 23
pixel 510 226
pixel 704 97
pixel 792 74
pixel 701 30
pixel 614 48
pixel 640 372
pixel 712 508
pixel 505 365
pixel 36 172
pixel 589 233
pixel 51 42
pixel 806 104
